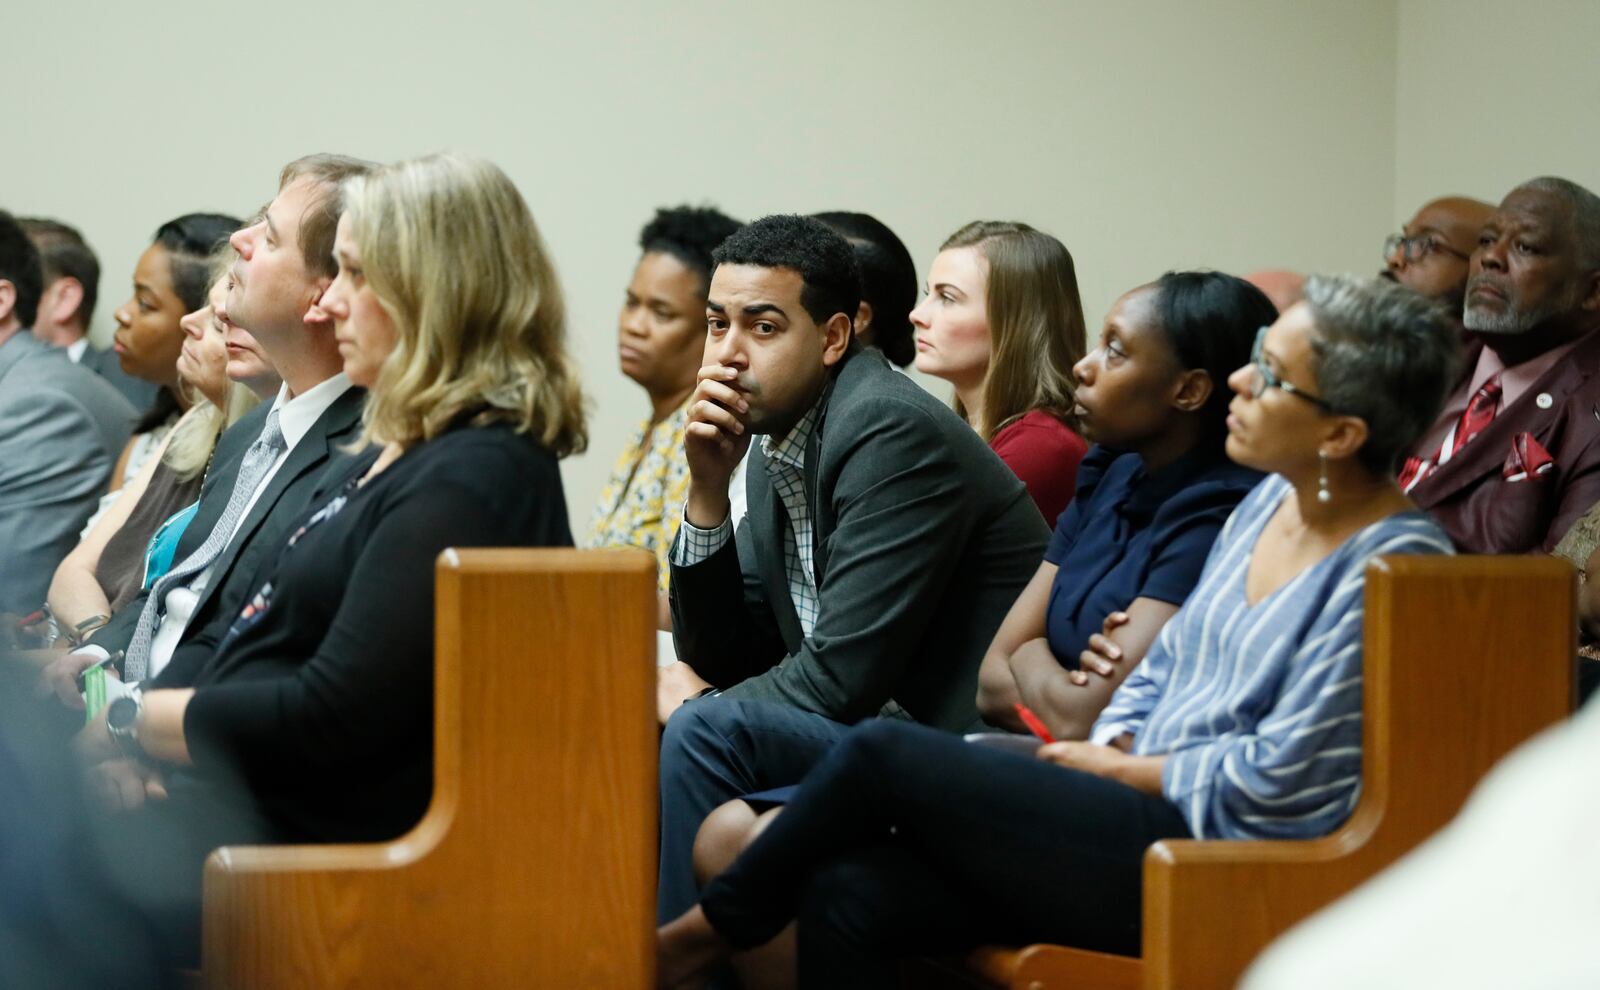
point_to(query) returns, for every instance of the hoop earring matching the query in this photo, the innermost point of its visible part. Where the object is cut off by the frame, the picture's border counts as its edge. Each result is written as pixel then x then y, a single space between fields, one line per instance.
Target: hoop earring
pixel 1323 495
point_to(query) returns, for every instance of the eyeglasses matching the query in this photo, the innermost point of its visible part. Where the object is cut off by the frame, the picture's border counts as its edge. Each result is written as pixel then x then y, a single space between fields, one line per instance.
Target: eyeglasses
pixel 1262 378
pixel 1419 247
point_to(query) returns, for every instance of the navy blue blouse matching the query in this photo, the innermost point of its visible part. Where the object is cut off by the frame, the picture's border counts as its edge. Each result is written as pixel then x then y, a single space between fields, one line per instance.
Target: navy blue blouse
pixel 1131 534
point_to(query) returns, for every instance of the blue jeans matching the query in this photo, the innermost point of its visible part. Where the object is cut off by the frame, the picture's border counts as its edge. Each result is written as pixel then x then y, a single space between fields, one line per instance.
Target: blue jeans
pixel 717 749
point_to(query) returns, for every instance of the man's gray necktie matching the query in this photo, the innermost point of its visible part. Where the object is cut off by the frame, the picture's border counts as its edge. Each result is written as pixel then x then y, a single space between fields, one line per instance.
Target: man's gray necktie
pixel 258 460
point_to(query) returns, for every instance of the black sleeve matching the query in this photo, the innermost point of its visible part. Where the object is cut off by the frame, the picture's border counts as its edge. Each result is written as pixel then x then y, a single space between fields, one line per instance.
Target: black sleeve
pixel 368 689
pixel 722 625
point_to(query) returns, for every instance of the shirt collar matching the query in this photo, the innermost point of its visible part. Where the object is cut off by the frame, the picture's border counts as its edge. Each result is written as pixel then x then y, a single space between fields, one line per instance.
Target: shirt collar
pixel 1517 378
pixel 791 450
pixel 1149 490
pixel 298 415
pixel 76 348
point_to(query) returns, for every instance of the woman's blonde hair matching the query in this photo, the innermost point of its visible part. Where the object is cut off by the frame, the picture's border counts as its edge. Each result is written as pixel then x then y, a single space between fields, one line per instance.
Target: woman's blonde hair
pixel 195 437
pixel 453 255
pixel 1036 328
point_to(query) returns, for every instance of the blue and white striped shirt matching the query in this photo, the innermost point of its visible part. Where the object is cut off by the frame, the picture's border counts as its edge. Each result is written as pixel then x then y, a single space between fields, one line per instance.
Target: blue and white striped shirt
pixel 1258 708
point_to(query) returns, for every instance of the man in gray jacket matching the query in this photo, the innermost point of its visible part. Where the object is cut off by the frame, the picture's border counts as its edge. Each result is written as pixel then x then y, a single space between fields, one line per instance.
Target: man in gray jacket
pixel 61 430
pixel 883 546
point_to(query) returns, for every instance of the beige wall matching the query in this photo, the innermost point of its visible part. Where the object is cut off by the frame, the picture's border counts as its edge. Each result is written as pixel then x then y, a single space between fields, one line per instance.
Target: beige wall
pixel 1489 94
pixel 1147 135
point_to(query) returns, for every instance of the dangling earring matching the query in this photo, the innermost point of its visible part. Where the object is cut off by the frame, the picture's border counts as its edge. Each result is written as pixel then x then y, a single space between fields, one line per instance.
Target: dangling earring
pixel 1323 495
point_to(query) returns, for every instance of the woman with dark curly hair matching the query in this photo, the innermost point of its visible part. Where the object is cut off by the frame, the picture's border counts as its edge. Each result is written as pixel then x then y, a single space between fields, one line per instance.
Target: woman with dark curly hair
pixel 660 334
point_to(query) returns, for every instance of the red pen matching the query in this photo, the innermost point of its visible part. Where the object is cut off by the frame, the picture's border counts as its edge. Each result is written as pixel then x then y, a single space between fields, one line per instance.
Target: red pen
pixel 1032 722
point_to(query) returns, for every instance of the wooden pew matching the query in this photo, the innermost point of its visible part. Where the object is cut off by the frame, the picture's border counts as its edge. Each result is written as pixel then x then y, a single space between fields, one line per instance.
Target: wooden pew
pixel 1465 658
pixel 535 864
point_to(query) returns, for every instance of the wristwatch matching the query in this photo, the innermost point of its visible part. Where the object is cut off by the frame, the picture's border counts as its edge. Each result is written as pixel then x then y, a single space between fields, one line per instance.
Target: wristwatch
pixel 122 722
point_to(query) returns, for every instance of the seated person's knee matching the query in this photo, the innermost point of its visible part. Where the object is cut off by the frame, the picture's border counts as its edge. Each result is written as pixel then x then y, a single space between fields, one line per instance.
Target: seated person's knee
pixel 722 836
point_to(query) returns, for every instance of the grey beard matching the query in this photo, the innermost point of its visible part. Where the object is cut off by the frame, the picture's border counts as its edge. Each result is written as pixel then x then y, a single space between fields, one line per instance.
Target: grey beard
pixel 1509 323
pixel 1514 320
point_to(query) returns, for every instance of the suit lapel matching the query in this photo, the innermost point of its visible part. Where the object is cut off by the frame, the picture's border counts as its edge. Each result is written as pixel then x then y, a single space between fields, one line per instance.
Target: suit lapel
pixel 308 455
pixel 217 488
pixel 1488 450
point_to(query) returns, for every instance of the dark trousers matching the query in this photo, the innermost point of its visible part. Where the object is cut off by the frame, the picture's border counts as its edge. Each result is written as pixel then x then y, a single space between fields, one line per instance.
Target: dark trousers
pixel 157 855
pixel 909 841
pixel 715 750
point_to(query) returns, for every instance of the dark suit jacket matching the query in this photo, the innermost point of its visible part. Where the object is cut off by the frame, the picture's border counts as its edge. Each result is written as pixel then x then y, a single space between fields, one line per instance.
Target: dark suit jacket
pixel 923 537
pixel 260 536
pixel 1482 511
pixel 105 363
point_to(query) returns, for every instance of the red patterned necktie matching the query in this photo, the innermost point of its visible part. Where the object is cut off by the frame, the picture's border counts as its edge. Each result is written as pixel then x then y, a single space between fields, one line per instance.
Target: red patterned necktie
pixel 1480 413
pixel 1485 402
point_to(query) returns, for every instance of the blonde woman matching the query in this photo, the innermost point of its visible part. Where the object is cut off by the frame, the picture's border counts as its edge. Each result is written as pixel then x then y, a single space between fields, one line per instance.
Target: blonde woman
pixel 131 544
pixel 313 720
pixel 1002 322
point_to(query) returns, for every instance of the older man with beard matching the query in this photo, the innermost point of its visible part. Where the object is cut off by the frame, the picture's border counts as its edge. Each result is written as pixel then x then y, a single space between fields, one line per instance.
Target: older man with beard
pixel 1514 459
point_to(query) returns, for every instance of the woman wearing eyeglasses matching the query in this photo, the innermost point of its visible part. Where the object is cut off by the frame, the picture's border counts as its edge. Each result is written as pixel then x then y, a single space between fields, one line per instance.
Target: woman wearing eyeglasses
pixel 1243 721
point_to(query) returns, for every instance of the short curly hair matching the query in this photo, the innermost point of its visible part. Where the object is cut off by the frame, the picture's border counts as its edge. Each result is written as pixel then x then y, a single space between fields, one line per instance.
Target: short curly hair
pixel 821 257
pixel 689 234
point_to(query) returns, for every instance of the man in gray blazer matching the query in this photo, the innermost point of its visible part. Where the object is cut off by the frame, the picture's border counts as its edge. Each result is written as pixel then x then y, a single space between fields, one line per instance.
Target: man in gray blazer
pixel 883 546
pixel 66 306
pixel 61 430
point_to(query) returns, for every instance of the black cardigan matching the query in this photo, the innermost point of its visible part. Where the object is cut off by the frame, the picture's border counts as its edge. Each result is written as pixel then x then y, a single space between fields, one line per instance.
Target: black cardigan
pixel 321 705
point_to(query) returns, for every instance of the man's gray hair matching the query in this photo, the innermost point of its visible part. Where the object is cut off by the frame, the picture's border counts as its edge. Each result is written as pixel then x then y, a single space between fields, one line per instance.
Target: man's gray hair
pixel 1385 354
pixel 1583 207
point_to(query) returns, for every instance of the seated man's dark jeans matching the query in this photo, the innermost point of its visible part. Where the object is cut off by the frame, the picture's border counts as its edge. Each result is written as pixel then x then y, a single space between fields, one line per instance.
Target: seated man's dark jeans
pixel 714 750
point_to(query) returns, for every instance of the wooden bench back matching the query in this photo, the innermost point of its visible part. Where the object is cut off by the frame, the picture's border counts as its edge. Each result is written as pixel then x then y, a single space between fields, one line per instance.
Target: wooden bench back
pixel 535 864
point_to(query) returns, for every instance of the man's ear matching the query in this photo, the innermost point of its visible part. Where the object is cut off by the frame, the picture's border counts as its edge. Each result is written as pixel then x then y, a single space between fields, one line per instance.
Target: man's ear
pixel 316 316
pixel 1345 436
pixel 1193 390
pixel 1591 295
pixel 65 302
pixel 863 317
pixel 836 335
pixel 8 303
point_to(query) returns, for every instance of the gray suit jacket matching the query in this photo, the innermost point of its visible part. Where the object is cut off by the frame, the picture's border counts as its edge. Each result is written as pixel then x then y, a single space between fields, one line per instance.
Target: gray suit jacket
pixel 924 539
pixel 61 431
pixel 105 363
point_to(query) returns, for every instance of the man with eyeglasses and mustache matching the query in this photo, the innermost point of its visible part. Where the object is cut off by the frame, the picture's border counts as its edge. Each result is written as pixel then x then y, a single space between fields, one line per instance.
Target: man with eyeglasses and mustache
pixel 1514 459
pixel 1431 253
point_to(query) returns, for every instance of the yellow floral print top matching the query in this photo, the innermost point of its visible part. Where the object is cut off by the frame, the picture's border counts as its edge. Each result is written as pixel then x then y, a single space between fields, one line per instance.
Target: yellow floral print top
pixel 642 503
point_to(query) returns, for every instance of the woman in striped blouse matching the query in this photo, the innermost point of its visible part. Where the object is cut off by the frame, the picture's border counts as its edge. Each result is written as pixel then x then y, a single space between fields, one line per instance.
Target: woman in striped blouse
pixel 1244 720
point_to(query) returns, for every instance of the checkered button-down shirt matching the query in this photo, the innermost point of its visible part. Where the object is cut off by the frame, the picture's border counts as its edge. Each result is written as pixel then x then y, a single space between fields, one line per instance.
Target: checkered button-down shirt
pixel 785 461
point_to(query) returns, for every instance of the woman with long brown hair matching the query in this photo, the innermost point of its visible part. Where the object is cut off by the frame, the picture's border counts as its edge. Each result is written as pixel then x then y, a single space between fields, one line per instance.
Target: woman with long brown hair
pixel 1003 323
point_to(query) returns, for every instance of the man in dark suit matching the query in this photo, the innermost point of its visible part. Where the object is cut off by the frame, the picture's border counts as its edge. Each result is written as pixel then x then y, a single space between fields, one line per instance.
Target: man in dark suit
pixel 1514 459
pixel 883 545
pixel 285 263
pixel 61 429
pixel 66 306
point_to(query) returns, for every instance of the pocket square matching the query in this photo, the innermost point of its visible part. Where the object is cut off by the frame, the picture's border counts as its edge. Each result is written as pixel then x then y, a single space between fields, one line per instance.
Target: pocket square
pixel 1528 459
